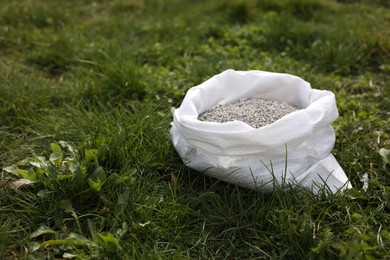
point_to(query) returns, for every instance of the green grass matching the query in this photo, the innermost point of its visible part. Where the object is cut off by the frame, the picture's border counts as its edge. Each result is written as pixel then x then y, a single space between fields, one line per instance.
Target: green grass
pixel 103 76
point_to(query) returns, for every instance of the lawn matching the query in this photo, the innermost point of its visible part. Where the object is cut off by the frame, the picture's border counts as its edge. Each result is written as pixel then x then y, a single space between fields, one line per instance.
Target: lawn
pixel 88 170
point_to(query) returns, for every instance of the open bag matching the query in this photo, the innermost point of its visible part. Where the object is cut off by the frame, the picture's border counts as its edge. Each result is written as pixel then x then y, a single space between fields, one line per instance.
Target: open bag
pixel 294 150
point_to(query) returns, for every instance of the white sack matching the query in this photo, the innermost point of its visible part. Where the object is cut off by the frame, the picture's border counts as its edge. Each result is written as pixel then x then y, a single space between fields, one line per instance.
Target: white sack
pixel 240 154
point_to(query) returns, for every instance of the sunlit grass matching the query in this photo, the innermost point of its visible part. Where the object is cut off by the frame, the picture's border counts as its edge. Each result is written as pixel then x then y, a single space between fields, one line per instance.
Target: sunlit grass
pixel 104 75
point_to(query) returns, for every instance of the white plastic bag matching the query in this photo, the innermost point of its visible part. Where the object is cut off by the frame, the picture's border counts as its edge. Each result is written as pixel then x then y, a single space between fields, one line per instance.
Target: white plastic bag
pixel 256 158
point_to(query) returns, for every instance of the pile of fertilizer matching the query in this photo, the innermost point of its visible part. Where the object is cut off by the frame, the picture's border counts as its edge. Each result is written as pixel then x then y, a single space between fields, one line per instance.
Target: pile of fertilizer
pixel 256 112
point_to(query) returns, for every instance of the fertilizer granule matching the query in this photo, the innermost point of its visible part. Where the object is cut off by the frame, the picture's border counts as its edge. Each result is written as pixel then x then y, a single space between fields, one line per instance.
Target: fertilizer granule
pixel 256 112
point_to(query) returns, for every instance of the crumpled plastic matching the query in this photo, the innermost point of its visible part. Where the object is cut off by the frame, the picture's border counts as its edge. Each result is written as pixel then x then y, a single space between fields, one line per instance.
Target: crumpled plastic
pixel 294 150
